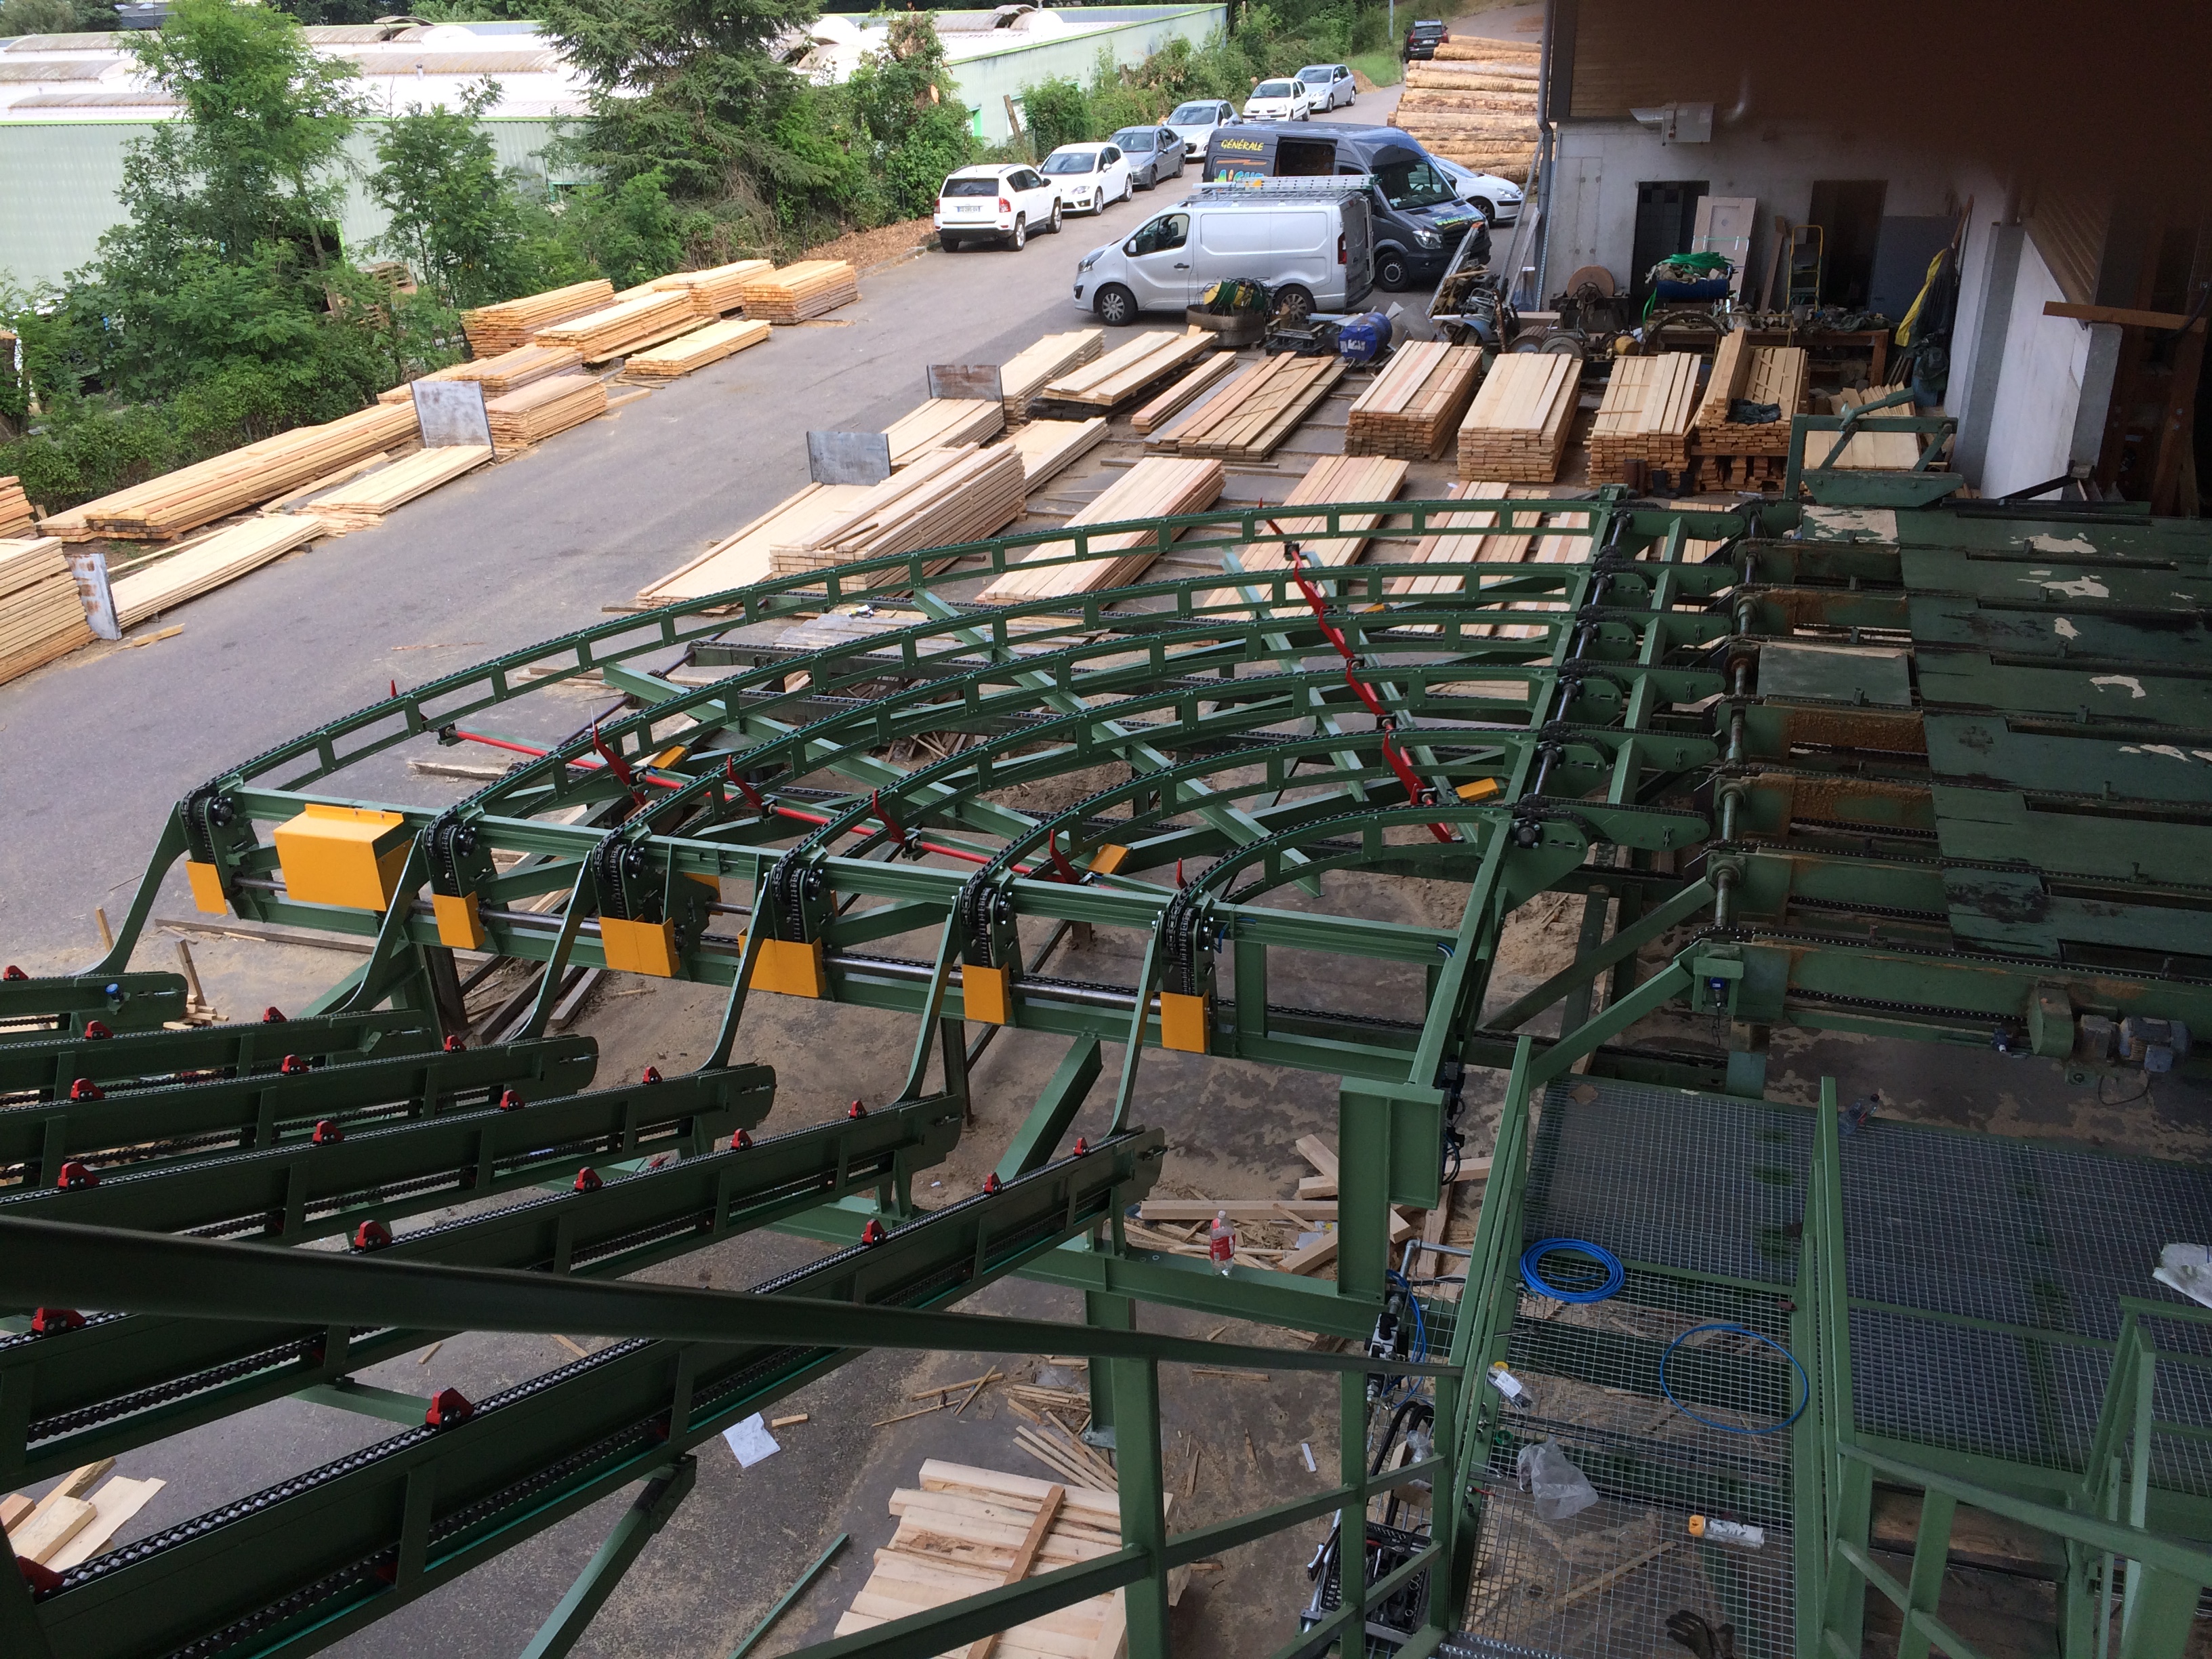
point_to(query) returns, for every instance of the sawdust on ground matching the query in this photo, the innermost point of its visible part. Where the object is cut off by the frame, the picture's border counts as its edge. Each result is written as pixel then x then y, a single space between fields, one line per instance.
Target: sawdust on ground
pixel 876 248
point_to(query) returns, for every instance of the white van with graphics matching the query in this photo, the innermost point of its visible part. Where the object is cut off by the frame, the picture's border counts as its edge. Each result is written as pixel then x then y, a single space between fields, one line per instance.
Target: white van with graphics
pixel 1308 239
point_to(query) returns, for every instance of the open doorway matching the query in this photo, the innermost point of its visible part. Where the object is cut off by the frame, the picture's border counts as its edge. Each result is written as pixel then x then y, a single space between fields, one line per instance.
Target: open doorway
pixel 1665 217
pixel 1849 213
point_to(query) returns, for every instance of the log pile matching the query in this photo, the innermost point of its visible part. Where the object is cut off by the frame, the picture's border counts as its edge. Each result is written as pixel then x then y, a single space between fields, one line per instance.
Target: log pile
pixel 716 291
pixel 1028 372
pixel 946 498
pixel 625 327
pixel 741 558
pixel 1156 487
pixel 1749 374
pixel 798 292
pixel 1132 368
pixel 207 490
pixel 498 375
pixel 15 518
pixel 1048 448
pixel 362 503
pixel 1248 418
pixel 689 353
pixel 1517 428
pixel 543 408
pixel 1333 479
pixel 209 563
pixel 1414 406
pixel 1645 416
pixel 1475 104
pixel 492 330
pixel 943 423
pixel 40 616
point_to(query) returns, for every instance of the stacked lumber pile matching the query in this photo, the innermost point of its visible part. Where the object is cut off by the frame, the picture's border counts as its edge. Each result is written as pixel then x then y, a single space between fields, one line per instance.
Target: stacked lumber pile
pixel 1156 487
pixel 1183 393
pixel 967 1530
pixel 946 498
pixel 1876 451
pixel 40 616
pixel 1028 372
pixel 543 408
pixel 689 353
pixel 1336 478
pixel 1414 406
pixel 798 292
pixel 1046 447
pixel 72 1523
pixel 1758 374
pixel 1103 386
pixel 207 490
pixel 945 423
pixel 15 518
pixel 1645 416
pixel 1517 428
pixel 1475 104
pixel 492 330
pixel 625 327
pixel 362 503
pixel 742 557
pixel 1251 415
pixel 716 290
pixel 498 375
pixel 209 563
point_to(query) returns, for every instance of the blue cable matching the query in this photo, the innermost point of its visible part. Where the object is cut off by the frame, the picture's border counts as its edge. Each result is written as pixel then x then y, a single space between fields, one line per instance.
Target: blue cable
pixel 1532 1269
pixel 1421 1325
pixel 1729 1428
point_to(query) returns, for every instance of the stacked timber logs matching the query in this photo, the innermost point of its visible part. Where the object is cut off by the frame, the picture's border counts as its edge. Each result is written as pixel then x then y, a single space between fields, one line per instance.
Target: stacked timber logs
pixel 1156 488
pixel 945 423
pixel 40 616
pixel 1027 373
pixel 15 518
pixel 1475 104
pixel 1516 429
pixel 1119 376
pixel 493 329
pixel 1645 416
pixel 1414 406
pixel 689 353
pixel 1251 415
pixel 946 498
pixel 537 411
pixel 798 292
pixel 627 326
pixel 716 291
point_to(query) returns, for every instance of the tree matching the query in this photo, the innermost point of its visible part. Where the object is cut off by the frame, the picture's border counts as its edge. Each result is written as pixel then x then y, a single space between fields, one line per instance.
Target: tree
pixel 51 18
pixel 911 113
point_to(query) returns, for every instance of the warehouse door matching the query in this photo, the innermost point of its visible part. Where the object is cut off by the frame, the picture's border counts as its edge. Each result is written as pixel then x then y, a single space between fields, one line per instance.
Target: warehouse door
pixel 1666 216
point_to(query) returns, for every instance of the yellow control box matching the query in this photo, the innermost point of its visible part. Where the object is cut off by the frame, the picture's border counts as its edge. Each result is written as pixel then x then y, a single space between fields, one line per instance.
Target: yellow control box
pixel 986 994
pixel 459 926
pixel 792 968
pixel 349 856
pixel 1183 1022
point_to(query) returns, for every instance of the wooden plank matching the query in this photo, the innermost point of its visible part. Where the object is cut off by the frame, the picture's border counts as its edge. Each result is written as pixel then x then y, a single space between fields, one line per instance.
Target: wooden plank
pixel 58 1519
pixel 1317 1152
pixel 112 1506
pixel 2124 316
pixel 689 353
pixel 1049 447
pixel 1157 413
pixel 1239 1209
pixel 220 559
pixel 1156 487
pixel 742 557
pixel 1024 1558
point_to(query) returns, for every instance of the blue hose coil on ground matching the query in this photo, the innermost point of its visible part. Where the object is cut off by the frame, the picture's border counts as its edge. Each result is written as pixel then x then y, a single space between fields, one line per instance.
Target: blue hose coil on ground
pixel 1532 1274
pixel 1804 1399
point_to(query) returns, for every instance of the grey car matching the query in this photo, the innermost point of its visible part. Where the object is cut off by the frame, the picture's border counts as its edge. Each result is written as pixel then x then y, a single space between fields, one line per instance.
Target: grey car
pixel 1154 153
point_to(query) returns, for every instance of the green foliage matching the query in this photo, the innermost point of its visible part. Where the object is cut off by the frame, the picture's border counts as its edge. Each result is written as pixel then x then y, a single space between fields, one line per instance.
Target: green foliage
pixel 1057 112
pixel 909 111
pixel 55 16
pixel 630 233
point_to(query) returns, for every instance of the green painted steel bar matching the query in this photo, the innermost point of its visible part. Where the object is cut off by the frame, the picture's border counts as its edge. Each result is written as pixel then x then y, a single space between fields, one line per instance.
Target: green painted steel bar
pixel 1919 1623
pixel 49 1068
pixel 1588 964
pixel 567 1623
pixel 1142 1489
pixel 783 1602
pixel 67 1004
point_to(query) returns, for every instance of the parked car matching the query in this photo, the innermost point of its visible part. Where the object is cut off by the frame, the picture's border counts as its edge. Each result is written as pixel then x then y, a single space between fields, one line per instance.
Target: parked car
pixel 1279 100
pixel 1421 40
pixel 1496 199
pixel 1194 123
pixel 994 205
pixel 1089 176
pixel 1153 153
pixel 1329 85
pixel 1309 240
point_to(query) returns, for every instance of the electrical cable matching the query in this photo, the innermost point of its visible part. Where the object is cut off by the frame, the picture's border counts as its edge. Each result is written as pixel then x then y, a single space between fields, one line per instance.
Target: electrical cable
pixel 1532 1273
pixel 1421 1325
pixel 1729 1428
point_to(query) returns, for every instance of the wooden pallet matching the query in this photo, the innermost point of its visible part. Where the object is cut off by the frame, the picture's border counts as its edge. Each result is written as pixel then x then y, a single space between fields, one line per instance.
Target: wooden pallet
pixel 1517 428
pixel 625 327
pixel 1049 447
pixel 741 558
pixel 1022 376
pixel 943 423
pixel 495 329
pixel 544 407
pixel 687 354
pixel 1126 373
pixel 1336 478
pixel 1157 487
pixel 15 516
pixel 40 616
pixel 717 290
pixel 209 563
pixel 1758 374
pixel 945 497
pixel 1251 415
pixel 362 503
pixel 1645 416
pixel 1411 409
pixel 1181 393
pixel 810 289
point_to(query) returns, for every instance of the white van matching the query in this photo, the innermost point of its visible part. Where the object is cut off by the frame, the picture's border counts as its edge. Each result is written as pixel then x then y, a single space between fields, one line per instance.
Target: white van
pixel 1308 239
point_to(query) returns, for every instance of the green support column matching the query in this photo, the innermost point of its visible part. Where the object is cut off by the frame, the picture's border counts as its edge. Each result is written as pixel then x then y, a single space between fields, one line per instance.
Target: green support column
pixel 606 1569
pixel 1444 1507
pixel 2160 1608
pixel 1351 1519
pixel 1144 1499
pixel 1105 1313
pixel 1363 1193
pixel 1931 1553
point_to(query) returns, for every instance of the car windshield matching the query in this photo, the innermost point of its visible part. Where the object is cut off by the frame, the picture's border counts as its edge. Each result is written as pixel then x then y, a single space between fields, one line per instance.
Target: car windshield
pixel 1140 139
pixel 1274 89
pixel 1193 115
pixel 1072 162
pixel 970 187
pixel 1412 185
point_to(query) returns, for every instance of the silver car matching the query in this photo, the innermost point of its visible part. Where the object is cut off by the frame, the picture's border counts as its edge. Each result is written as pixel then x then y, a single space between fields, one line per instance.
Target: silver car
pixel 1194 123
pixel 1329 85
pixel 1154 153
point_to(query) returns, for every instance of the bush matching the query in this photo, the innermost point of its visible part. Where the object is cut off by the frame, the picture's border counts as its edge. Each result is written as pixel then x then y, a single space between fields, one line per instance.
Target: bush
pixel 1057 112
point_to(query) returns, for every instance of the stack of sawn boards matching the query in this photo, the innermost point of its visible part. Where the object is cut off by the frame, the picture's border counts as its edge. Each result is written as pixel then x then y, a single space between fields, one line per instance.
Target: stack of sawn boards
pixel 1028 372
pixel 497 375
pixel 798 292
pixel 689 353
pixel 537 411
pixel 1338 478
pixel 361 503
pixel 206 564
pixel 14 508
pixel 1645 416
pixel 1516 429
pixel 1414 406
pixel 1476 103
pixel 1124 374
pixel 492 330
pixel 40 616
pixel 627 326
pixel 1749 374
pixel 943 423
pixel 1249 416
pixel 945 497
pixel 715 291
pixel 1155 488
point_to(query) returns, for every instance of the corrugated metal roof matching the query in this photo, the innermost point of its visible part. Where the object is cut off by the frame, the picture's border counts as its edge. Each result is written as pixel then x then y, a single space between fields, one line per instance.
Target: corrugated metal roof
pixel 354 34
pixel 405 61
pixel 95 100
pixel 78 69
pixel 64 43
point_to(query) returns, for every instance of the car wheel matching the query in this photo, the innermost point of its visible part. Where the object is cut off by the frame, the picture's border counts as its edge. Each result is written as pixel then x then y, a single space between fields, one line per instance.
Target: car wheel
pixel 1294 303
pixel 1485 207
pixel 1054 227
pixel 1018 238
pixel 1392 274
pixel 1115 306
pixel 950 244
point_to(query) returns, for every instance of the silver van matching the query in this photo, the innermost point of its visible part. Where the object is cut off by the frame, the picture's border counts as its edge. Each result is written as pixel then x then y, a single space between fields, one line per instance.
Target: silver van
pixel 1311 239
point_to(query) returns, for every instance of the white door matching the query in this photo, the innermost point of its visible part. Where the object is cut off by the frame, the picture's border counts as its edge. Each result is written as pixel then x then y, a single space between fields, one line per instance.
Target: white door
pixel 1723 226
pixel 1157 259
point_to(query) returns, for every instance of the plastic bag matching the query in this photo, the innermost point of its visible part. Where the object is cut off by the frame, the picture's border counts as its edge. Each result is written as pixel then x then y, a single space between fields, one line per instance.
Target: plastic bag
pixel 1560 1488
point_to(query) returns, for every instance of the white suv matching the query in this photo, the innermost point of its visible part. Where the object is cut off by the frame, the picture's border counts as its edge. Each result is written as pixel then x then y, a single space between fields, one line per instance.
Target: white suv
pixel 994 205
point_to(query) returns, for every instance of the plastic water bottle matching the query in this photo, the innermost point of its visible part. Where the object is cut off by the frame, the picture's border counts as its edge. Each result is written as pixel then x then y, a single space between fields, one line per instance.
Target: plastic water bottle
pixel 1728 1532
pixel 1222 1245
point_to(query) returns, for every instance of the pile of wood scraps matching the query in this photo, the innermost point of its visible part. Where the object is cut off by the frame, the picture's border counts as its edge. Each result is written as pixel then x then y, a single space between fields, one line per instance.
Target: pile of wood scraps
pixel 41 617
pixel 1126 373
pixel 1645 416
pixel 1517 428
pixel 1248 418
pixel 946 498
pixel 1178 396
pixel 1746 374
pixel 1476 103
pixel 943 423
pixel 742 557
pixel 1027 373
pixel 492 330
pixel 810 289
pixel 362 503
pixel 1064 1451
pixel 1049 447
pixel 717 290
pixel 1157 487
pixel 1335 478
pixel 535 412
pixel 16 519
pixel 1414 406
pixel 625 327
pixel 689 353
pixel 208 563
pixel 74 1521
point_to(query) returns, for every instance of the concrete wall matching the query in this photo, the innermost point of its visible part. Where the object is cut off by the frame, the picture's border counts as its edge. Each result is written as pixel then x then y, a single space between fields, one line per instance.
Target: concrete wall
pixel 2032 424
pixel 987 79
